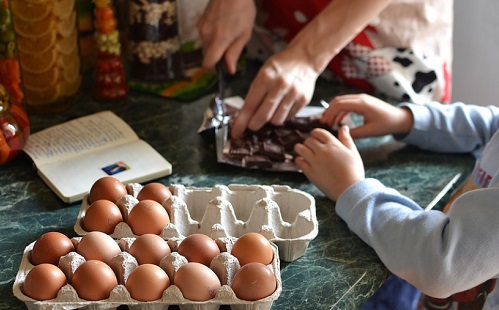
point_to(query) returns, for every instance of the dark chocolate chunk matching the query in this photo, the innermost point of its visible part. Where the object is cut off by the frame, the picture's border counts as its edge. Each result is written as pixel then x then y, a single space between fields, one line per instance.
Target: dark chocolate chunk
pixel 265 131
pixel 256 161
pixel 291 139
pixel 283 131
pixel 300 123
pixel 239 152
pixel 239 143
pixel 273 151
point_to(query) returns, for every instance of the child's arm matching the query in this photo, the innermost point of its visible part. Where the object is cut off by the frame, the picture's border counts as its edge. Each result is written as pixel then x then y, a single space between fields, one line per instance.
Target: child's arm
pixel 433 126
pixel 380 118
pixel 439 254
pixel 452 128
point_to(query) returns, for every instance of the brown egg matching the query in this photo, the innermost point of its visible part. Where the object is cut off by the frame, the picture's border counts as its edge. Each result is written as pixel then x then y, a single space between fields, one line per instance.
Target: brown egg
pixel 254 281
pixel 198 248
pixel 154 191
pixel 43 282
pixel 149 249
pixel 94 280
pixel 253 247
pixel 102 215
pixel 108 188
pixel 148 217
pixel 147 282
pixel 99 246
pixel 49 247
pixel 197 282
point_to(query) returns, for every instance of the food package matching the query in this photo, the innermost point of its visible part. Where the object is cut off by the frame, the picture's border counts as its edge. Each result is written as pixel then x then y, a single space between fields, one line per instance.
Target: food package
pixel 283 215
pixel 223 265
pixel 270 148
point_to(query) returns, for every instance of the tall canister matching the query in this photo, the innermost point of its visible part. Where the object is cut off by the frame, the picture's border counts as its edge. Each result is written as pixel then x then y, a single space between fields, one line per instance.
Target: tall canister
pixel 153 41
pixel 47 40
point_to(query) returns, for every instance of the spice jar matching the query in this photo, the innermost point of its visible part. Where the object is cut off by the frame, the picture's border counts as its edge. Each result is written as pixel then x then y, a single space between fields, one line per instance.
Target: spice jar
pixel 47 40
pixel 14 122
pixel 153 41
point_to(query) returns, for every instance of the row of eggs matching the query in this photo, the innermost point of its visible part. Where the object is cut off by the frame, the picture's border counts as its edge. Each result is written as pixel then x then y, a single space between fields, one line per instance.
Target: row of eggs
pixel 148 216
pixel 157 264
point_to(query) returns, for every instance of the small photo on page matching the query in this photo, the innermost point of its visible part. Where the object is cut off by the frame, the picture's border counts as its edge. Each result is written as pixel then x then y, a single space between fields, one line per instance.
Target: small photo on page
pixel 115 168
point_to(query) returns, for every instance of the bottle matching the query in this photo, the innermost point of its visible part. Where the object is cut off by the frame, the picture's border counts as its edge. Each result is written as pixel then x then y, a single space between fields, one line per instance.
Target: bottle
pixel 153 41
pixel 14 121
pixel 110 82
pixel 86 34
pixel 47 41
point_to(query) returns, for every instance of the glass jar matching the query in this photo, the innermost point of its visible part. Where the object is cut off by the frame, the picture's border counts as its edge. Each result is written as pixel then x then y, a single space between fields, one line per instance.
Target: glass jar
pixel 14 122
pixel 47 41
pixel 109 82
pixel 153 41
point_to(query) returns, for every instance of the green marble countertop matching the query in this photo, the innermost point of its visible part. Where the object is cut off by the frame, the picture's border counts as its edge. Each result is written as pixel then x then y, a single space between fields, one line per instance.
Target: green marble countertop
pixel 337 271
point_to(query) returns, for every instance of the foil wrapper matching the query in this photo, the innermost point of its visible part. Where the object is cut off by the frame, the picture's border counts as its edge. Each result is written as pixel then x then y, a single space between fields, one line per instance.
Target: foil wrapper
pixel 270 148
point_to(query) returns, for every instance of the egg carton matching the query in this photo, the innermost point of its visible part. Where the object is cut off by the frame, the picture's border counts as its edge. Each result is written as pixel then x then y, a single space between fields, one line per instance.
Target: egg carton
pixel 225 265
pixel 285 216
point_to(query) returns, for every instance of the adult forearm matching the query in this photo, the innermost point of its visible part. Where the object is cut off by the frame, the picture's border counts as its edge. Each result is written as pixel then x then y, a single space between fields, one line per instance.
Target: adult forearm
pixel 333 28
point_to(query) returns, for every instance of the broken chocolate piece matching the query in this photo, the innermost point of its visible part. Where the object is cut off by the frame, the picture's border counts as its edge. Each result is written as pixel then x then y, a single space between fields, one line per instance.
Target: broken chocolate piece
pixel 239 153
pixel 256 161
pixel 291 139
pixel 273 151
pixel 265 131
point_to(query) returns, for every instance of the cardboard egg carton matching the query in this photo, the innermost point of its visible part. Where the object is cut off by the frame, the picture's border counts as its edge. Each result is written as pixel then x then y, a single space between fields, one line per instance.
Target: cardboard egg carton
pixel 224 265
pixel 285 216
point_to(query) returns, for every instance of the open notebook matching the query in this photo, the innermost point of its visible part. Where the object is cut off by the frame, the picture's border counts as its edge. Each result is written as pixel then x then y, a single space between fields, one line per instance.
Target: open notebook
pixel 71 156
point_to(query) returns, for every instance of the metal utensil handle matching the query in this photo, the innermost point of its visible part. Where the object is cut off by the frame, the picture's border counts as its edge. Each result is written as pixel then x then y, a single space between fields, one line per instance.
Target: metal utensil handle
pixel 221 71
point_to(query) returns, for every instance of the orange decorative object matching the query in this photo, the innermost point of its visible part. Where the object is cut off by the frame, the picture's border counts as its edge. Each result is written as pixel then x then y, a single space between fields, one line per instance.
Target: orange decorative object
pixel 14 122
pixel 14 126
pixel 110 82
pixel 45 34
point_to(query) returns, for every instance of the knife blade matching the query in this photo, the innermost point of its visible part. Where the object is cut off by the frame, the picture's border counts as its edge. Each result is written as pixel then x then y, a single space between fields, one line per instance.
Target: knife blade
pixel 220 98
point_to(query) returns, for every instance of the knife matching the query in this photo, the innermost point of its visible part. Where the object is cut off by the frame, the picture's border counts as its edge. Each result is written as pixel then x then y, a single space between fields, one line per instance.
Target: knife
pixel 221 109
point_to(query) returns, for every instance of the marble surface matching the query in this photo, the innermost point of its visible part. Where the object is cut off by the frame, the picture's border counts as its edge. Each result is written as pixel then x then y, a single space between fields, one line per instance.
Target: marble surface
pixel 337 271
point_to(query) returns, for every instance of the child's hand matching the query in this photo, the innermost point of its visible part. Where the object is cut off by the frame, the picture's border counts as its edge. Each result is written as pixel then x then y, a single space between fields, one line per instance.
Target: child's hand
pixel 380 118
pixel 331 164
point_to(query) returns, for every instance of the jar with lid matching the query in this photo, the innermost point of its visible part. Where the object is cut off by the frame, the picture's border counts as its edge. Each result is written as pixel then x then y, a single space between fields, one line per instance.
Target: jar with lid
pixel 14 121
pixel 47 40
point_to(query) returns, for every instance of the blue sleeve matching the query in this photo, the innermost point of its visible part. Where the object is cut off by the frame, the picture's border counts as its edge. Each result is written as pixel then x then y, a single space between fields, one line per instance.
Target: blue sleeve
pixel 440 254
pixel 454 128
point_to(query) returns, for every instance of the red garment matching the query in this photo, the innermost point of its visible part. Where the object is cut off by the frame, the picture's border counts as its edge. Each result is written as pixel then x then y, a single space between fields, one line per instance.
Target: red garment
pixel 399 72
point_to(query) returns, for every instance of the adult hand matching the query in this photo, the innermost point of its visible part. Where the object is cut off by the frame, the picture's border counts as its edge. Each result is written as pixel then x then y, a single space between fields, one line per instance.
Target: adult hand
pixel 282 86
pixel 331 164
pixel 380 118
pixel 225 27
